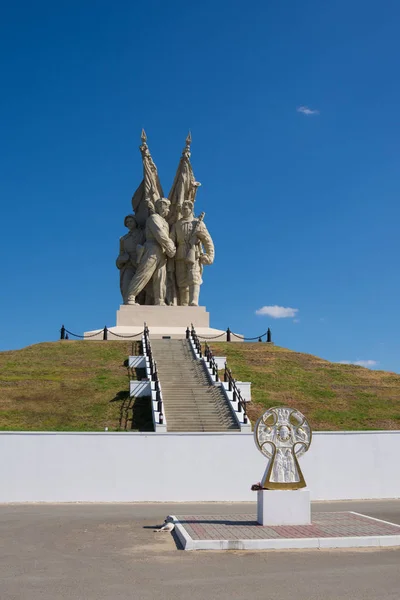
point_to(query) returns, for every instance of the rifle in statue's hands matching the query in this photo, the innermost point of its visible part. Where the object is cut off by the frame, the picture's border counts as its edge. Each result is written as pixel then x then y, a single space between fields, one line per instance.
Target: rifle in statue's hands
pixel 193 241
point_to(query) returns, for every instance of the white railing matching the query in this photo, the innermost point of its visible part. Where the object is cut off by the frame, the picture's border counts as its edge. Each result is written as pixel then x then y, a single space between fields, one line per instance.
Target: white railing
pixel 229 386
pixel 157 405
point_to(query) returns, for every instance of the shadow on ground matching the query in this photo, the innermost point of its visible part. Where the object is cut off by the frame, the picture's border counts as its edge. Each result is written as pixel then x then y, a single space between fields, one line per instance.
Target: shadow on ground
pixel 135 413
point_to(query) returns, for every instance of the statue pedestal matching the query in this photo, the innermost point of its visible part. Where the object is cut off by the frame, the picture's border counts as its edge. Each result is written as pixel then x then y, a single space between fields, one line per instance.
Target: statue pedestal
pixel 283 507
pixel 163 322
pixel 163 316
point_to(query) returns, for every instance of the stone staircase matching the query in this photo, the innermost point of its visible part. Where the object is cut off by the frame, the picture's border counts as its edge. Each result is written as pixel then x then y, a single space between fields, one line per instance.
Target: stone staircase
pixel 191 402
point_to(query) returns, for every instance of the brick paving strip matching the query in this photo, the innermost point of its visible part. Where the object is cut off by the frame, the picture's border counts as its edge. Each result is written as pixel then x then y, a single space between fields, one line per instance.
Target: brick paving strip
pixel 236 530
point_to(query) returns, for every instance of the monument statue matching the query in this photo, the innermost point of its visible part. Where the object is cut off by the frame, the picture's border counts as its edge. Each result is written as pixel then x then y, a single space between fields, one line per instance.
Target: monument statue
pixel 190 235
pixel 152 264
pixel 127 258
pixel 152 274
pixel 283 435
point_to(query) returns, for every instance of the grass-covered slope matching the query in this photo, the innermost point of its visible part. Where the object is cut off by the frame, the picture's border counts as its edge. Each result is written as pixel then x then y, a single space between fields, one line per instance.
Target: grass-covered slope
pixel 64 386
pixel 331 395
pixel 83 386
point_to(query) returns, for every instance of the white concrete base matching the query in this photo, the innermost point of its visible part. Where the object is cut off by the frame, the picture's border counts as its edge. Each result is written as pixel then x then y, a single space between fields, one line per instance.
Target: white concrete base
pixel 139 389
pixel 126 333
pixel 163 322
pixel 163 316
pixel 283 507
pixel 137 362
pixel 245 389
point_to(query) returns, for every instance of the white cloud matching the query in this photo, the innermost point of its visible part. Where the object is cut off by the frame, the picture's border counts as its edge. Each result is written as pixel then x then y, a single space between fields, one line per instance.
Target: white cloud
pixel 360 363
pixel 307 111
pixel 277 312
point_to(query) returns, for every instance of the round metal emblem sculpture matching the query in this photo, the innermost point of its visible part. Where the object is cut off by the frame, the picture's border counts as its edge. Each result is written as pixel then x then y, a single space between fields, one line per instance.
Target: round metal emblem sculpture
pixel 283 434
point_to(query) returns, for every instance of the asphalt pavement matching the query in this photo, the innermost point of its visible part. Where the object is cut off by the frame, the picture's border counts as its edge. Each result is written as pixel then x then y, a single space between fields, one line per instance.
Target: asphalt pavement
pixel 110 552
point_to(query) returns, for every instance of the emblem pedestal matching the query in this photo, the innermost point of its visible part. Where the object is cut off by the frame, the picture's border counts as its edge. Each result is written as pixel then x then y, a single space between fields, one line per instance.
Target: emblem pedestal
pixel 283 507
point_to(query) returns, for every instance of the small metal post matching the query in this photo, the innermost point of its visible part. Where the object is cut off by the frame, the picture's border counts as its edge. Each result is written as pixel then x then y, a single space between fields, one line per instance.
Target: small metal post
pixel 62 333
pixel 187 333
pixel 160 419
pixel 105 333
pixel 259 339
pixel 228 335
pixel 66 336
pixel 269 337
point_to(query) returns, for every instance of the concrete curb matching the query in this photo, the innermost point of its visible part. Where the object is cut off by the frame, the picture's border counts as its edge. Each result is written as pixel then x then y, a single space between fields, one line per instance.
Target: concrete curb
pixel 376 541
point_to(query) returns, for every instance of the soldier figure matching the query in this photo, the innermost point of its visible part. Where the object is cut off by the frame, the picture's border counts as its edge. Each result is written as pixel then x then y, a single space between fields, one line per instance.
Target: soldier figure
pixel 127 259
pixel 190 236
pixel 152 264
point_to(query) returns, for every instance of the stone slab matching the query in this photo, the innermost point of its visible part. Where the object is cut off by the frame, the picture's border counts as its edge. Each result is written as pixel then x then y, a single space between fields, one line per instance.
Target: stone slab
pixel 163 316
pixel 163 322
pixel 344 529
pixel 283 507
pixel 139 389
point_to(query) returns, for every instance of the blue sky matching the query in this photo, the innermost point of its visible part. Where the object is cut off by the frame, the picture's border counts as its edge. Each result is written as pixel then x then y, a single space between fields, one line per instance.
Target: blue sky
pixel 303 208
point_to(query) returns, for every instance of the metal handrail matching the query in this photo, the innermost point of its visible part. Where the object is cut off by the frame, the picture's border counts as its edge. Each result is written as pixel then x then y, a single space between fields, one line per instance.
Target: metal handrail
pixel 228 378
pixel 153 373
pixel 210 358
pixel 237 396
pixel 196 341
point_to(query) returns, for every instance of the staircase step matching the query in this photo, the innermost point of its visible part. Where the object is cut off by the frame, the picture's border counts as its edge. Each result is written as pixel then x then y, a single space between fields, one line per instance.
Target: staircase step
pixel 191 402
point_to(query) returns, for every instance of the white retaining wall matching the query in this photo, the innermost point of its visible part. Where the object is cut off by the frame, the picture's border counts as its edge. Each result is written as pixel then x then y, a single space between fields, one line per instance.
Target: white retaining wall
pixel 137 467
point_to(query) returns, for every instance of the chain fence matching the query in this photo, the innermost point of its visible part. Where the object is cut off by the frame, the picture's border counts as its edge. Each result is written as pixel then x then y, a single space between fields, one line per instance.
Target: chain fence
pixel 105 332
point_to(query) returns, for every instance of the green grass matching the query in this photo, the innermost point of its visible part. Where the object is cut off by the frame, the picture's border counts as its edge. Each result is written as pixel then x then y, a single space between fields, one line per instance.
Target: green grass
pixel 66 386
pixel 332 396
pixel 83 386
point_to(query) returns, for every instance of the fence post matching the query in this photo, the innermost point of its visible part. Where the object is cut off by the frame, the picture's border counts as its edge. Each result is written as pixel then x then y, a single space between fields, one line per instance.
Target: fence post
pixel 62 333
pixel 105 333
pixel 269 337
pixel 187 333
pixel 228 335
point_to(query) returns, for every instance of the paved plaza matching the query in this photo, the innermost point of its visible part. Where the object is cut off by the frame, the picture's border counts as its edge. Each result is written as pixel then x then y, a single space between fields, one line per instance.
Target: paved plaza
pixel 328 529
pixel 110 552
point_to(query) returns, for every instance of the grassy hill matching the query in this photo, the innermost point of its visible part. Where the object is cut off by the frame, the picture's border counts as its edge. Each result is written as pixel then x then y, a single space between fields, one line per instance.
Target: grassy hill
pixel 331 395
pixel 65 386
pixel 83 386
